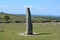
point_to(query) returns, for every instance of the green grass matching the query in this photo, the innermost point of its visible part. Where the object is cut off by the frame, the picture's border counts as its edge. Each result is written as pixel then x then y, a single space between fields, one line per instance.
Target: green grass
pixel 46 31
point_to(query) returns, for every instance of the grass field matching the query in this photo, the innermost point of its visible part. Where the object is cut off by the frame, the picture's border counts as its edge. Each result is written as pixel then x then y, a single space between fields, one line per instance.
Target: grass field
pixel 46 31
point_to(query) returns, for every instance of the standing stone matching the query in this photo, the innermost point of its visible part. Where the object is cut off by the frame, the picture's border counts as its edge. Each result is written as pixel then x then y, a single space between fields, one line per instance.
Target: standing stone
pixel 29 23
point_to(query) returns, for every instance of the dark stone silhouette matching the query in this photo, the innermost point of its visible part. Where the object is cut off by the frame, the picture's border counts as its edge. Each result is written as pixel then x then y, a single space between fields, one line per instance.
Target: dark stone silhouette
pixel 29 23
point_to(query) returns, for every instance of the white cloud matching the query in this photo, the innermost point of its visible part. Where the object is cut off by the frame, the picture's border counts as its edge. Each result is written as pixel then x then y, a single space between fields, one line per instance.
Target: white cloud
pixel 50 0
pixel 30 6
pixel 43 8
pixel 3 6
pixel 46 9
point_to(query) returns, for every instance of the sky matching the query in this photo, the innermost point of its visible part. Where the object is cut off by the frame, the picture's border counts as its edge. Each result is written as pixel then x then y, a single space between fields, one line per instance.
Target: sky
pixel 37 7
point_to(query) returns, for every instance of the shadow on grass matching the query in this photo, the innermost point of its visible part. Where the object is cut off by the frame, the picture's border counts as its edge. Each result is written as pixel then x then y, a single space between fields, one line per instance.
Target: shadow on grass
pixel 42 34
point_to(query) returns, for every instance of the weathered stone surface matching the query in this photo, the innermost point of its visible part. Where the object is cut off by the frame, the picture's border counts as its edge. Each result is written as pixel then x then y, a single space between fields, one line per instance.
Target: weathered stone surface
pixel 29 27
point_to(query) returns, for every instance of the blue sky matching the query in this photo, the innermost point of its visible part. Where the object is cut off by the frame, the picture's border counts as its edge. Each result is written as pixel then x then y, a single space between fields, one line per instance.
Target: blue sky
pixel 38 7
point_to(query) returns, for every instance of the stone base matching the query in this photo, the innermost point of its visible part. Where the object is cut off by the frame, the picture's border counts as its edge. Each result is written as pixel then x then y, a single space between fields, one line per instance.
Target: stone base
pixel 29 33
pixel 25 34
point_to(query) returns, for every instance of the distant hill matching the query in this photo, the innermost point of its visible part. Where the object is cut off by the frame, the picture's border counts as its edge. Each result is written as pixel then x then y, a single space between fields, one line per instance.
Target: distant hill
pixel 42 17
pixel 35 18
pixel 12 17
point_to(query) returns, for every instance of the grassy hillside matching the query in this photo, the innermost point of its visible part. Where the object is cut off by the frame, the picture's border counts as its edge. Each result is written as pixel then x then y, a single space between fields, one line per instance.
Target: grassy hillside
pixel 46 31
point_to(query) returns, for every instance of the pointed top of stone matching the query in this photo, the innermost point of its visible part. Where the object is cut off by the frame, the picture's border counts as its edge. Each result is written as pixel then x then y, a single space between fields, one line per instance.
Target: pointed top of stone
pixel 28 8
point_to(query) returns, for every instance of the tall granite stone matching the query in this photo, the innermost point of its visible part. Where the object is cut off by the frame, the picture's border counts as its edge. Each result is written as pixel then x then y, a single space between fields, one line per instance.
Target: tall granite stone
pixel 29 27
